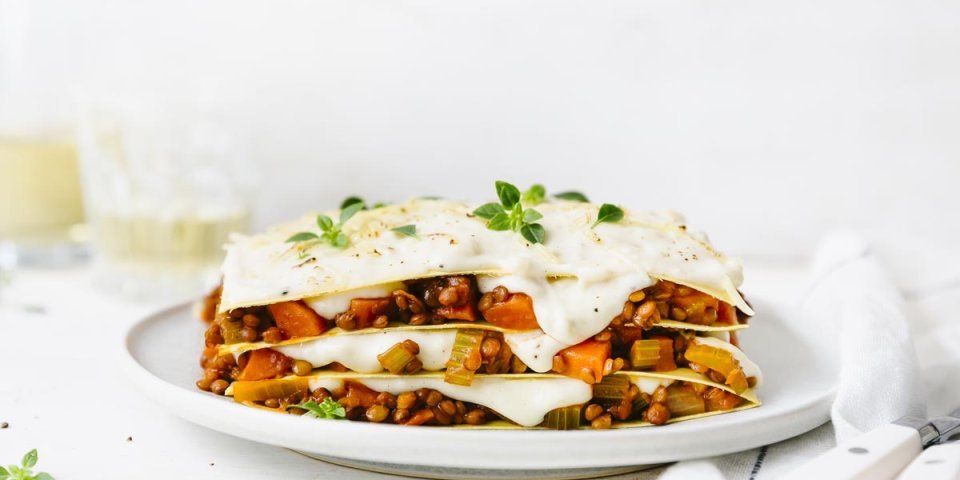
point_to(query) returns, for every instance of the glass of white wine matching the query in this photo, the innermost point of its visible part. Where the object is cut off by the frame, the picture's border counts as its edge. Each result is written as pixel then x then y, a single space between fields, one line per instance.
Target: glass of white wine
pixel 163 189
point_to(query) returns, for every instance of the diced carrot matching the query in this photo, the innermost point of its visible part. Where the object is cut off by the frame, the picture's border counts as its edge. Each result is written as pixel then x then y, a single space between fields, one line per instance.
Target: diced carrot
pixel 368 309
pixel 515 313
pixel 666 362
pixel 466 312
pixel 358 395
pixel 265 363
pixel 296 320
pixel 726 314
pixel 585 360
pixel 717 399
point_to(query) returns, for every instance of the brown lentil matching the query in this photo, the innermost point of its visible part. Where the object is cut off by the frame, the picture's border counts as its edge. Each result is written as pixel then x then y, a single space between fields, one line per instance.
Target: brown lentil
pixel 592 412
pixel 449 296
pixel 400 415
pixel 659 395
pixel 486 301
pixel 320 394
pixel 489 348
pixel 272 335
pixel 500 294
pixel 381 322
pixel 249 334
pixel 272 403
pixel 346 320
pixel 302 368
pixel 657 414
pixel 433 398
pixel 377 413
pixel 602 422
pixel 638 296
pixel 475 417
pixel 406 400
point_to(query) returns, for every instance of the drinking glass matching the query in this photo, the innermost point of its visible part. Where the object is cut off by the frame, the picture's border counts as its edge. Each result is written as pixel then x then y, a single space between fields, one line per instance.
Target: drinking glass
pixel 163 188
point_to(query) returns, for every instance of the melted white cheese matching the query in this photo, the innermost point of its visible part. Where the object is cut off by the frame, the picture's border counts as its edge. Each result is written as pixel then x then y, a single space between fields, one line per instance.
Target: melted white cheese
pixel 750 368
pixel 359 352
pixel 523 400
pixel 578 278
pixel 328 306
pixel 535 348
pixel 649 385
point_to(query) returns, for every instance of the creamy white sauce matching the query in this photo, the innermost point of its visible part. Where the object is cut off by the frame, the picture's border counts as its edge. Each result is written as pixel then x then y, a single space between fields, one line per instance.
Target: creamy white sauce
pixel 328 306
pixel 523 400
pixel 750 368
pixel 578 278
pixel 649 385
pixel 358 352
pixel 572 310
pixel 535 348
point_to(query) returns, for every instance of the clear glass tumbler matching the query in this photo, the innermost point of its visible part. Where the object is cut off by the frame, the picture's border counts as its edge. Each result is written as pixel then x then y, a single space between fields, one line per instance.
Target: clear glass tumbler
pixel 163 189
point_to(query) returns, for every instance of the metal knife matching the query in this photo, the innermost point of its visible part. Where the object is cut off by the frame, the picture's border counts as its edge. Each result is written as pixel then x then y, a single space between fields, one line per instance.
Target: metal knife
pixel 883 452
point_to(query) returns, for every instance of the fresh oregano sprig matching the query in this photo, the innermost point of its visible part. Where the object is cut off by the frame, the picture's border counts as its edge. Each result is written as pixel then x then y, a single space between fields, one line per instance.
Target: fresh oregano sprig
pixel 509 214
pixel 355 199
pixel 572 196
pixel 25 470
pixel 331 233
pixel 608 214
pixel 329 408
pixel 406 230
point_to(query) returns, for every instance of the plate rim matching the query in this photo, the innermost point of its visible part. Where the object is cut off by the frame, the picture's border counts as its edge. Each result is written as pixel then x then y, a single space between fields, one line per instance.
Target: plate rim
pixel 194 406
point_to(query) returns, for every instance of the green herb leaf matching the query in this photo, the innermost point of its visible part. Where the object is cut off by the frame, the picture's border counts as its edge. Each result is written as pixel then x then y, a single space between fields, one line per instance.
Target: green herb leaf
pixel 324 222
pixel 608 214
pixel 488 210
pixel 30 459
pixel 349 211
pixel 533 232
pixel 341 240
pixel 352 200
pixel 379 205
pixel 509 195
pixel 43 476
pixel 406 230
pixel 329 408
pixel 4 473
pixel 303 237
pixel 530 215
pixel 500 222
pixel 534 195
pixel 573 196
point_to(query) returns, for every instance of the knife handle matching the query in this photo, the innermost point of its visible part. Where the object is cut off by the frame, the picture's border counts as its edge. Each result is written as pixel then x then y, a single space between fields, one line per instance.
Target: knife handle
pixel 878 454
pixel 939 462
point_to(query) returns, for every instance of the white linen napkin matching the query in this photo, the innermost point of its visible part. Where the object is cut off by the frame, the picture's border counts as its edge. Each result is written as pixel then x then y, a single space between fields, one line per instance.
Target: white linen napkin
pixel 879 376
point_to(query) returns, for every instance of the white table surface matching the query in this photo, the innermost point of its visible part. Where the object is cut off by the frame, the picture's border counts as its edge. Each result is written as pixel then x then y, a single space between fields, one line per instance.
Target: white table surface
pixel 62 392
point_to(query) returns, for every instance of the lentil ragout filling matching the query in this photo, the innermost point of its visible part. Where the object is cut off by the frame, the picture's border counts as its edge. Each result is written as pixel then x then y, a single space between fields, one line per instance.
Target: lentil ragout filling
pixel 643 337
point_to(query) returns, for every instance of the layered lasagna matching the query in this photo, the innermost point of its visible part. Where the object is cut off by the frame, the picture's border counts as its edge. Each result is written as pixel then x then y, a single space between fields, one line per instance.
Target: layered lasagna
pixel 423 313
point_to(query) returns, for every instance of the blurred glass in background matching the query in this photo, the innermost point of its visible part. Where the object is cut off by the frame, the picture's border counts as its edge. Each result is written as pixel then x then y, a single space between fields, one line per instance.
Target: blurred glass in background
pixel 41 211
pixel 164 186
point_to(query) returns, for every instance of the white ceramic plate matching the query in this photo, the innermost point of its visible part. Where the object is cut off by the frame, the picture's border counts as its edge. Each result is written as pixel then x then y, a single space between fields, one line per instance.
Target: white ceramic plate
pixel 800 377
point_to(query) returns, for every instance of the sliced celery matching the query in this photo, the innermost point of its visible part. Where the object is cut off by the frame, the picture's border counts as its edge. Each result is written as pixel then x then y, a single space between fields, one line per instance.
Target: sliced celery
pixel 713 358
pixel 230 331
pixel 684 401
pixel 644 353
pixel 564 418
pixel 396 358
pixel 737 380
pixel 466 345
pixel 255 391
pixel 611 390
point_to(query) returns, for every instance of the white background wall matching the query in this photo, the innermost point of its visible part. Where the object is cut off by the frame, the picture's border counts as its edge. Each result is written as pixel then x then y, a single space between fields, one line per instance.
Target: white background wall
pixel 766 122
